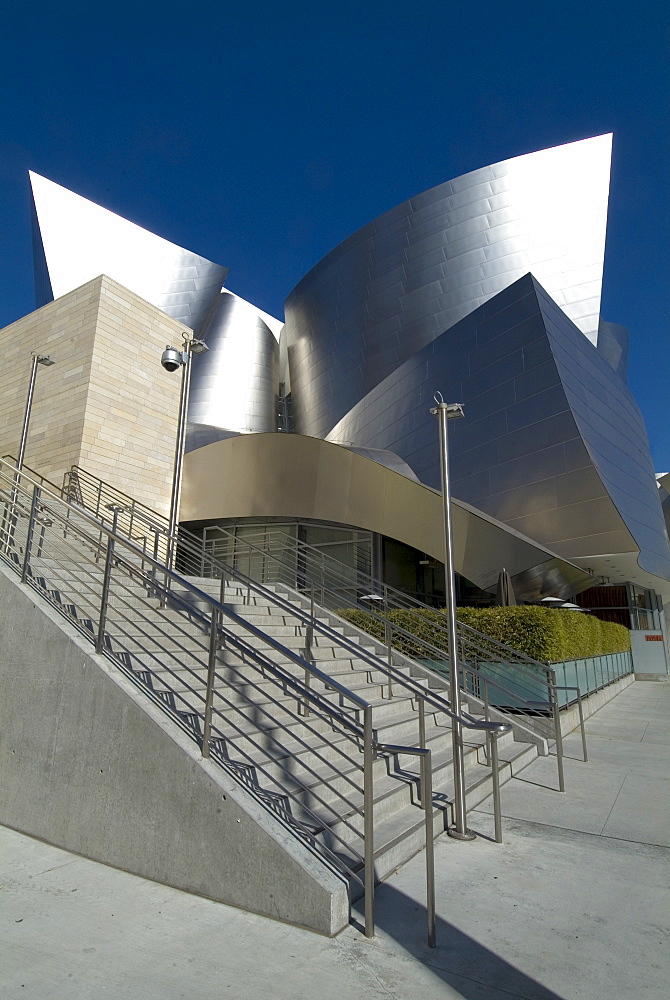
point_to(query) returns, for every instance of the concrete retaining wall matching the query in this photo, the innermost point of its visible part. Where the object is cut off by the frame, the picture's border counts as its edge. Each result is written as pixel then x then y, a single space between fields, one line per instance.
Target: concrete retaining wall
pixel 89 764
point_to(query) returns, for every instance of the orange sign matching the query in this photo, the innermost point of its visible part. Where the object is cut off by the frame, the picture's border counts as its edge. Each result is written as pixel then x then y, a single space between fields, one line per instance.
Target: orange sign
pixel 653 638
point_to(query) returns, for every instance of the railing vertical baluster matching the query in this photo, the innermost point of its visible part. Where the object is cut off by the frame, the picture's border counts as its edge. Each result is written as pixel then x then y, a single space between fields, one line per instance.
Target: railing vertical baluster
pixel 40 545
pixel 211 676
pixel 29 536
pixel 427 803
pixel 557 731
pixel 155 554
pixel 202 557
pixel 487 712
pixel 106 580
pixel 581 723
pixel 388 637
pixel 492 741
pixel 422 723
pixel 309 655
pixel 368 823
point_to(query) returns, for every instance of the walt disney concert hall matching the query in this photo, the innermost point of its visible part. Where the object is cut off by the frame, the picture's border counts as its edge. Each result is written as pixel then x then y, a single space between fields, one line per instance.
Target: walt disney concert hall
pixel 486 289
pixel 189 695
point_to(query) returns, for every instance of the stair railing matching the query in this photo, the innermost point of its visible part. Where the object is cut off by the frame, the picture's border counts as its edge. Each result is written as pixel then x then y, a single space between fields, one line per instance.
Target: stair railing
pixel 280 558
pixel 534 688
pixel 192 557
pixel 534 691
pixel 78 525
pixel 529 686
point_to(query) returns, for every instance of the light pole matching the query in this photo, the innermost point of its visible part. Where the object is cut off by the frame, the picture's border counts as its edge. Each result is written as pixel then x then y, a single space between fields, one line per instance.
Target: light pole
pixel 445 412
pixel 10 521
pixel 38 359
pixel 171 360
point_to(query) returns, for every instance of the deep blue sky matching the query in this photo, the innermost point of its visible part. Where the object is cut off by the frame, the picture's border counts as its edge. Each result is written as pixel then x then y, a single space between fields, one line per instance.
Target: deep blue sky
pixel 260 135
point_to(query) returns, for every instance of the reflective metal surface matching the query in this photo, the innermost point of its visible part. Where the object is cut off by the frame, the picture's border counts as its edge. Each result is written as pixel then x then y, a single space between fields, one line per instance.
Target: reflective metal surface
pixel 553 443
pixel 76 240
pixel 292 476
pixel 402 280
pixel 234 385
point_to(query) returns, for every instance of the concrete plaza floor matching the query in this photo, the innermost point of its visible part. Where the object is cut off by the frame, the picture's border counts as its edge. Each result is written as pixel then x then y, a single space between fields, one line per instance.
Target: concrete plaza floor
pixel 574 905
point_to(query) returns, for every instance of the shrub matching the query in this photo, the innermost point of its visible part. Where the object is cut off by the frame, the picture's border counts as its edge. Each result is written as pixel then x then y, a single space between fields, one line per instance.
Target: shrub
pixel 541 633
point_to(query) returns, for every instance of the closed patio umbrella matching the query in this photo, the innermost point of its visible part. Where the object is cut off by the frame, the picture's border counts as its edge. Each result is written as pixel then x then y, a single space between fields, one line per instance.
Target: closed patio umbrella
pixel 505 593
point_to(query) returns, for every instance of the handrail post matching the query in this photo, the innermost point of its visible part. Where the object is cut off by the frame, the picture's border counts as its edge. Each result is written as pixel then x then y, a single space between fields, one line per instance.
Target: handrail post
pixel 557 730
pixel 104 597
pixel 388 637
pixel 309 656
pixel 487 714
pixel 581 722
pixel 492 741
pixel 368 823
pixel 444 412
pixel 29 536
pixel 211 675
pixel 152 571
pixel 427 803
pixel 422 723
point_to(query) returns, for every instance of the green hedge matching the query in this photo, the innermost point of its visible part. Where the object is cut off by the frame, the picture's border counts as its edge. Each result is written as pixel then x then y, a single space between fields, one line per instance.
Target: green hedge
pixel 542 633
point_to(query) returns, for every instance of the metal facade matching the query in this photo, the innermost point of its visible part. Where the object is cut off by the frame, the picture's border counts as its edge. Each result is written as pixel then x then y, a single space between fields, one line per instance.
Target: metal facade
pixel 234 385
pixel 553 443
pixel 289 475
pixel 486 287
pixel 403 279
pixel 76 240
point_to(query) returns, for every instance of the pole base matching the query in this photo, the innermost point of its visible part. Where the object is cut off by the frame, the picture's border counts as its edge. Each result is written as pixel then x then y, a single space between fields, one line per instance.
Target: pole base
pixel 457 835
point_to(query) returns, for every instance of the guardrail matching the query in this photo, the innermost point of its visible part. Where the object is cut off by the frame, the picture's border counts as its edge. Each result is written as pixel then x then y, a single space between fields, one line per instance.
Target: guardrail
pixel 276 557
pixel 103 582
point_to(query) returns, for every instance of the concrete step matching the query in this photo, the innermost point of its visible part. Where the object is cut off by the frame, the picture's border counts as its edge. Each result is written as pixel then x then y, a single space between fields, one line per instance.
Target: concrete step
pixel 312 760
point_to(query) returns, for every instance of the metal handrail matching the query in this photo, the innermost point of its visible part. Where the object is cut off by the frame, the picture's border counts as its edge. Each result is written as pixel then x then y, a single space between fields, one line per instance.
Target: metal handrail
pixel 400 599
pixel 393 598
pixel 548 682
pixel 136 569
pixel 363 733
pixel 79 477
pixel 319 626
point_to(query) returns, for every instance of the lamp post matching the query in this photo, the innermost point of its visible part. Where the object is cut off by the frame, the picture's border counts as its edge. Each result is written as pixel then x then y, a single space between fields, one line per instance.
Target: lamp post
pixel 171 360
pixel 445 412
pixel 37 359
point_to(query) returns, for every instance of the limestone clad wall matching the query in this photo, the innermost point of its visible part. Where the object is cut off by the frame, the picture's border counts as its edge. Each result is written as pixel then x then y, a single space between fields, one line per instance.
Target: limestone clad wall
pixel 106 404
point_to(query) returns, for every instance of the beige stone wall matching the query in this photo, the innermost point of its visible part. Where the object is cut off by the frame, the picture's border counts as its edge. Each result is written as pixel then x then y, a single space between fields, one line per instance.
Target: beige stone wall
pixel 106 404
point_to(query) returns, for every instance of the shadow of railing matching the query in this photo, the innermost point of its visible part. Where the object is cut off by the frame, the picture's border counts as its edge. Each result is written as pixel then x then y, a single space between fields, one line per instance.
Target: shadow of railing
pixel 468 967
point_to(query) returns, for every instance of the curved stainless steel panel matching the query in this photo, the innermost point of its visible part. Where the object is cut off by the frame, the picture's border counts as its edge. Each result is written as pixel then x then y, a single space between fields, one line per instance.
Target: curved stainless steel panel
pixel 553 442
pixel 287 475
pixel 402 280
pixel 199 435
pixel 234 385
pixel 81 240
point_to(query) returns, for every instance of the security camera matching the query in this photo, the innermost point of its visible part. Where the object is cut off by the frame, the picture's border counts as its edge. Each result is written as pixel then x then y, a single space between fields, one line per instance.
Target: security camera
pixel 171 359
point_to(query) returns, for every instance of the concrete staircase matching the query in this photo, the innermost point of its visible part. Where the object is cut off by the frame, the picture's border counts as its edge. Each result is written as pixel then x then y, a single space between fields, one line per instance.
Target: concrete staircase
pixel 305 768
